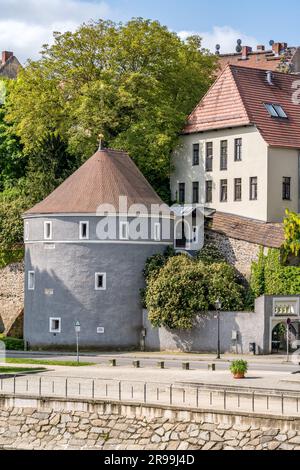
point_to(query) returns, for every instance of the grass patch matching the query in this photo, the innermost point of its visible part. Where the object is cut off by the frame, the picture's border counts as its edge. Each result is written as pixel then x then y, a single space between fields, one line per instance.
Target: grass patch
pixel 48 363
pixel 18 370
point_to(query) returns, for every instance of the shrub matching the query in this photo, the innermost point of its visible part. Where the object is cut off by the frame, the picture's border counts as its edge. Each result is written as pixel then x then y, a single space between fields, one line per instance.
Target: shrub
pixel 186 288
pixel 156 262
pixel 239 367
pixel 291 234
pixel 270 277
pixel 210 254
pixel 12 344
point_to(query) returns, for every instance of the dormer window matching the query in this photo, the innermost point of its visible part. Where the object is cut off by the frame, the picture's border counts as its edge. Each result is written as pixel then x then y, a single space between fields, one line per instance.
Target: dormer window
pixel 276 111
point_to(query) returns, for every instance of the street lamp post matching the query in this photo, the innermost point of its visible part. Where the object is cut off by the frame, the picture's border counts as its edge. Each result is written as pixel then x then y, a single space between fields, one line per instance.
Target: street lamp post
pixel 218 306
pixel 77 330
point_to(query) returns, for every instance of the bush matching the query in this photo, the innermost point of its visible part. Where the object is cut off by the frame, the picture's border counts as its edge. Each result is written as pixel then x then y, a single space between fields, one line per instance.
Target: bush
pixel 239 367
pixel 186 288
pixel 210 254
pixel 270 277
pixel 12 344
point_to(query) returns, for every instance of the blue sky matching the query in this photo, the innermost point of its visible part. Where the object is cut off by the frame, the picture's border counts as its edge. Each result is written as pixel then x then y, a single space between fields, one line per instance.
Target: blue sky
pixel 26 24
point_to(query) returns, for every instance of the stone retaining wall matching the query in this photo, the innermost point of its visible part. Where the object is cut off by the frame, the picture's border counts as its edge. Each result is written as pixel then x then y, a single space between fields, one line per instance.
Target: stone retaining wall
pixel 31 423
pixel 12 299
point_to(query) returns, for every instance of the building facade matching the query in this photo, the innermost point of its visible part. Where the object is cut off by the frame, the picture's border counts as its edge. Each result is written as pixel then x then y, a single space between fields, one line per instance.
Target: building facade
pixel 241 147
pixel 9 65
pixel 86 247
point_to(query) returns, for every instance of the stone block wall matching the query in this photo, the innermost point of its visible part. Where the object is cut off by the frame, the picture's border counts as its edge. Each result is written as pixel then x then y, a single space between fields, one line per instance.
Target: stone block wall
pixel 12 299
pixel 238 253
pixel 74 425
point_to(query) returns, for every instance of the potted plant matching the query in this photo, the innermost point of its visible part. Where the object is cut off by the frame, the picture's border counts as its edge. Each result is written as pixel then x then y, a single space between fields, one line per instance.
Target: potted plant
pixel 239 369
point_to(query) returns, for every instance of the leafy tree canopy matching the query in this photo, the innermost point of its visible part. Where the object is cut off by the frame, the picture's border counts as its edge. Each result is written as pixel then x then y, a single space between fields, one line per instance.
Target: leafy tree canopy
pixel 135 83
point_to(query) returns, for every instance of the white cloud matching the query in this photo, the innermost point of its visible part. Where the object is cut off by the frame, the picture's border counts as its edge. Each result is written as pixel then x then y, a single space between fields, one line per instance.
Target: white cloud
pixel 223 35
pixel 26 25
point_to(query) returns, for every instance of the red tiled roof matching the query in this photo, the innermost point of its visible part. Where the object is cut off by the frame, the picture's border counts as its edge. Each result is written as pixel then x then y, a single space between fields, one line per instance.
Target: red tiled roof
pixel 237 98
pixel 258 59
pixel 269 235
pixel 102 179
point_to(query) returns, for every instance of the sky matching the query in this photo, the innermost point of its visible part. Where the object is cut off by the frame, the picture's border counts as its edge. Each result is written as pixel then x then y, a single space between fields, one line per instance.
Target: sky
pixel 27 24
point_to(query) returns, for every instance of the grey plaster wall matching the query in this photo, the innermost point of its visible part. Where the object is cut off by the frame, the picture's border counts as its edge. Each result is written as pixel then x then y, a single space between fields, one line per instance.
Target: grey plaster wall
pixel 250 327
pixel 65 288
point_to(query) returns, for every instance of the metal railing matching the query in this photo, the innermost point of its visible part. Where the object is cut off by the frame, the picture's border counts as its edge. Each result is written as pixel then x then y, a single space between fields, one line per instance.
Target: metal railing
pixel 151 393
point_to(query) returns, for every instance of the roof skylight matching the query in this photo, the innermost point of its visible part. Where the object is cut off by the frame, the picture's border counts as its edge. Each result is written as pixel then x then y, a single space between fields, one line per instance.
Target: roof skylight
pixel 275 110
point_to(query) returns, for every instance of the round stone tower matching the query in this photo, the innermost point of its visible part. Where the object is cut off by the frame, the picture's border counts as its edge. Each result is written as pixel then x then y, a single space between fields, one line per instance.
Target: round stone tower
pixel 86 247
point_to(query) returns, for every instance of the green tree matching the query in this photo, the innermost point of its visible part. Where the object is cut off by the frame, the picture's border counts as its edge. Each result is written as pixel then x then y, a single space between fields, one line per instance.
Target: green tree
pixel 135 83
pixel 291 234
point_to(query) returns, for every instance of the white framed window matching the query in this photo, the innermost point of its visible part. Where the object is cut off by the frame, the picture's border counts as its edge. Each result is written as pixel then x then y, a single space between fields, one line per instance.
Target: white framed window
pixel 26 234
pixel 84 230
pixel 157 232
pixel 124 231
pixel 31 280
pixel 100 281
pixel 48 230
pixel 55 325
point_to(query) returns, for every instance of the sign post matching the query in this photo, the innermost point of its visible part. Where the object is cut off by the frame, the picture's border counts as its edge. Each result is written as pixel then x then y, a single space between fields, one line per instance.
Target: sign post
pixel 288 323
pixel 77 330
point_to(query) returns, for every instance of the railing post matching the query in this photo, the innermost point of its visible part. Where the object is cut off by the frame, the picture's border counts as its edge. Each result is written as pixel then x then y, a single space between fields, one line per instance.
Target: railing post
pixel 66 388
pixel 282 403
pixel 120 391
pixel 145 392
pixel 253 402
pixel 225 403
pixel 93 389
pixel 171 394
pixel 197 397
pixel 14 384
pixel 40 386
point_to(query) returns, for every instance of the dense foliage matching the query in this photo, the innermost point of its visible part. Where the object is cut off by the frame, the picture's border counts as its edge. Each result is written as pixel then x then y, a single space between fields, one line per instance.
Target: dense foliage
pixel 271 277
pixel 292 235
pixel 134 83
pixel 185 288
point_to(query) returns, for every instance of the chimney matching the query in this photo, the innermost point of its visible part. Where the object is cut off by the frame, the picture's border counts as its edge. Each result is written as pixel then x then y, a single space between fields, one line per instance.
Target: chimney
pixel 5 56
pixel 279 47
pixel 245 51
pixel 261 48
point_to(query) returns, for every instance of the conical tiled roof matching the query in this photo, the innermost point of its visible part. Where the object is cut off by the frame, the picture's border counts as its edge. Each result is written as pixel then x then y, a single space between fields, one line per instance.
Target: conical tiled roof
pixel 102 179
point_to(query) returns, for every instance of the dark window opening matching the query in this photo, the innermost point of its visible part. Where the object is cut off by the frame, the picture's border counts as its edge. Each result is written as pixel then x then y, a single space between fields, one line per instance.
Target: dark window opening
pixel 253 189
pixel 196 154
pixel 196 193
pixel 209 157
pixel 224 155
pixel 209 188
pixel 238 150
pixel 224 191
pixel 286 189
pixel 238 189
pixel 181 193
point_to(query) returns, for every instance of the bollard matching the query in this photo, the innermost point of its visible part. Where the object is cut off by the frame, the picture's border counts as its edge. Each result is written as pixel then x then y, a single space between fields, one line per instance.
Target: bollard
pixel 212 367
pixel 186 366
pixel 113 362
pixel 136 364
pixel 161 365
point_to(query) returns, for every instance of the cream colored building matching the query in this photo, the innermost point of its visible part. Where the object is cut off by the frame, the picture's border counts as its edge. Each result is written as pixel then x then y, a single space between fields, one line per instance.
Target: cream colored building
pixel 242 156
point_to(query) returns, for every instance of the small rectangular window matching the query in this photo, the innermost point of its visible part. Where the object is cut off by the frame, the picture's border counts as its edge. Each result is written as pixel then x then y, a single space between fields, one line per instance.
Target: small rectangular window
pixel 181 193
pixel 223 190
pixel 31 280
pixel 286 189
pixel 238 189
pixel 209 157
pixel 26 231
pixel 253 188
pixel 55 325
pixel 196 192
pixel 124 231
pixel 209 188
pixel 224 155
pixel 48 230
pixel 157 232
pixel 196 154
pixel 238 150
pixel 84 231
pixel 100 281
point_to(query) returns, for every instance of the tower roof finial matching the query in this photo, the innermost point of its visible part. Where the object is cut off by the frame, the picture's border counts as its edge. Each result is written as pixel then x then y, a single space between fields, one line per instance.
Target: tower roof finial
pixel 101 141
